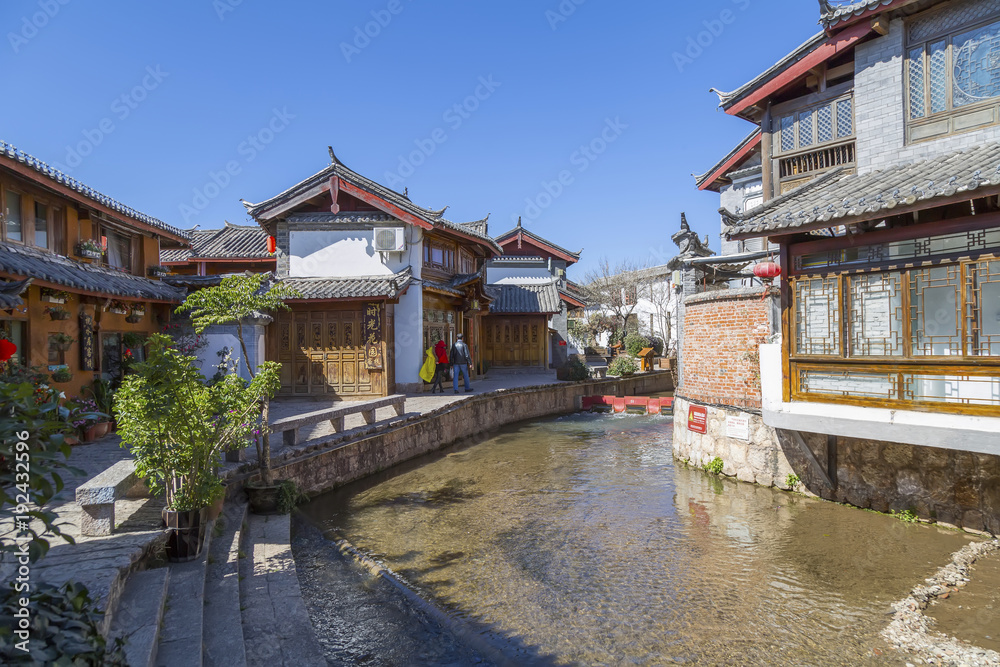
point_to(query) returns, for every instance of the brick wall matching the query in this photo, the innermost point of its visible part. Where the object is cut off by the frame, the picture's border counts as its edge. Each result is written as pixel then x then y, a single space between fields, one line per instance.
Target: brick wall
pixel 722 332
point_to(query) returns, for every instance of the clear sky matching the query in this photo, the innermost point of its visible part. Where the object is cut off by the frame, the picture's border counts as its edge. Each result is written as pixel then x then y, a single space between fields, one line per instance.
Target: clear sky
pixel 586 117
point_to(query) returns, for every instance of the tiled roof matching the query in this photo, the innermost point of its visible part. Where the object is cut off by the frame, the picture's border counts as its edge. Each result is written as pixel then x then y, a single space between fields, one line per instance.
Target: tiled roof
pixel 230 242
pixel 705 179
pixel 30 161
pixel 34 263
pixel 481 227
pixel 524 299
pixel 352 218
pixel 454 285
pixel 538 239
pixel 838 198
pixel 834 11
pixel 365 287
pixel 727 99
pixel 432 217
pixel 10 293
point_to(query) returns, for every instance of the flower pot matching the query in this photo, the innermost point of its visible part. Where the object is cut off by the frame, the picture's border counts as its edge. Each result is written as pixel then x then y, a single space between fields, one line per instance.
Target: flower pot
pixel 185 534
pixel 263 499
pixel 89 254
pixel 64 347
pixel 215 509
pixel 133 318
pixel 63 315
pixel 95 431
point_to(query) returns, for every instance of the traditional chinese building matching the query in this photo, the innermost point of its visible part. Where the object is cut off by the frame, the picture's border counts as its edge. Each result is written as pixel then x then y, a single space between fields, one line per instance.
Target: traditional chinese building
pixel 880 178
pixel 232 249
pixel 381 280
pixel 91 261
pixel 532 299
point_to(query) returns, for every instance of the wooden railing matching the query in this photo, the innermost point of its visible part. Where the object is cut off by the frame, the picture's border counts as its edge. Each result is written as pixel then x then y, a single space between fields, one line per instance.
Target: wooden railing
pixel 820 159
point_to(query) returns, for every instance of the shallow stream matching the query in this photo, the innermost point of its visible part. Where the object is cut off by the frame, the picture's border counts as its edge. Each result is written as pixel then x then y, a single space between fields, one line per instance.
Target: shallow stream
pixel 579 540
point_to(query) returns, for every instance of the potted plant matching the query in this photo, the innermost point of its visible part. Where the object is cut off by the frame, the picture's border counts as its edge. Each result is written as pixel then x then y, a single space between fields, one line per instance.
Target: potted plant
pixel 62 341
pixel 235 299
pixel 89 249
pixel 134 317
pixel 116 306
pixel 99 391
pixel 177 427
pixel 57 313
pixel 54 296
pixel 61 374
pixel 157 271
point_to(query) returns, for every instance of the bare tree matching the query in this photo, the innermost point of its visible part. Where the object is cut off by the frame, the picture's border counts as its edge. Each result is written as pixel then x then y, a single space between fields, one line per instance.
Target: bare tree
pixel 615 290
pixel 661 294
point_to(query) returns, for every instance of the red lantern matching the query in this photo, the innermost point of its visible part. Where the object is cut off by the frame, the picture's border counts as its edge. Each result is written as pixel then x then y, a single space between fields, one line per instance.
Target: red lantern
pixel 7 349
pixel 272 245
pixel 767 270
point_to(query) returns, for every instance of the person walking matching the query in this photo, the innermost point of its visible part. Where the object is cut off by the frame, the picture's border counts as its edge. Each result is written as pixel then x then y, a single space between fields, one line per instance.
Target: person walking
pixel 441 357
pixel 461 359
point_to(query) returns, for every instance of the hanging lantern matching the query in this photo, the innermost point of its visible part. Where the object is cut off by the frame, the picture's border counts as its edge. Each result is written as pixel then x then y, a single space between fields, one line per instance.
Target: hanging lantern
pixel 7 349
pixel 272 245
pixel 767 271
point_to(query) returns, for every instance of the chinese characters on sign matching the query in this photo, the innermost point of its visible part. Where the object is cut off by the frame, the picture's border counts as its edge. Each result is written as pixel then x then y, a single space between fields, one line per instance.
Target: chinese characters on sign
pixel 373 336
pixel 87 361
pixel 698 419
pixel 738 427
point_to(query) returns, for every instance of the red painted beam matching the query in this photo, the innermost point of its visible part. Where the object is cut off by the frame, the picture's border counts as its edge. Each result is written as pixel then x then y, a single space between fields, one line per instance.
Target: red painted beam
pixel 731 162
pixel 832 47
pixel 383 205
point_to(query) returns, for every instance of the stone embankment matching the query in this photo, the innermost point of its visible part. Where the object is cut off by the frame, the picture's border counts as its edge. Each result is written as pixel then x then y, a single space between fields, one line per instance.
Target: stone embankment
pixel 912 631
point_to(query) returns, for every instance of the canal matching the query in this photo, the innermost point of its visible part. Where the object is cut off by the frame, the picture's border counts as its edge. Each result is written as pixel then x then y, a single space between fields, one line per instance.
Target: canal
pixel 579 540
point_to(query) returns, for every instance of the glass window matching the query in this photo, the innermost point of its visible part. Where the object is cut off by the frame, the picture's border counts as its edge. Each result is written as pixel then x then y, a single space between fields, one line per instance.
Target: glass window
pixel 934 311
pixel 41 225
pixel 817 316
pixel 917 93
pixel 845 118
pixel 876 315
pixel 119 251
pixel 12 214
pixel 788 133
pixel 806 129
pixel 983 308
pixel 977 65
pixel 938 63
pixel 824 124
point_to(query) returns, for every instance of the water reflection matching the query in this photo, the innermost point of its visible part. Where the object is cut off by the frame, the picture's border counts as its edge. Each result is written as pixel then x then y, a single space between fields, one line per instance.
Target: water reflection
pixel 581 537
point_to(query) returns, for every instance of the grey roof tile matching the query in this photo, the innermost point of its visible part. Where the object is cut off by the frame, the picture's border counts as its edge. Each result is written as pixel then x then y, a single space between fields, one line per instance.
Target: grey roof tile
pixel 834 11
pixel 42 168
pixel 728 99
pixel 34 263
pixel 361 287
pixel 230 242
pixel 10 293
pixel 836 198
pixel 535 237
pixel 524 299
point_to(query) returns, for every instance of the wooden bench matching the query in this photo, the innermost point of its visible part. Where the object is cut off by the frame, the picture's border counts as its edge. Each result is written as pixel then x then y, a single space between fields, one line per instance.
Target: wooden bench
pixel 289 426
pixel 97 496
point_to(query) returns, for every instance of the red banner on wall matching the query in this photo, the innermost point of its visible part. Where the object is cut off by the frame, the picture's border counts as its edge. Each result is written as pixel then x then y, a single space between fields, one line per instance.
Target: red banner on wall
pixel 698 419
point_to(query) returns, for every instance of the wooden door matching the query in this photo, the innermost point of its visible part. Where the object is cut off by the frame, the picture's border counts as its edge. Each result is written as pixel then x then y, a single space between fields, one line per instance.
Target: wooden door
pixel 321 354
pixel 515 341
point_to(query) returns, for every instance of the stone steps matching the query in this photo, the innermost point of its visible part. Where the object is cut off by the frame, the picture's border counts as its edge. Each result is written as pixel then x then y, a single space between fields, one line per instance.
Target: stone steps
pixel 277 629
pixel 223 626
pixel 139 615
pixel 183 623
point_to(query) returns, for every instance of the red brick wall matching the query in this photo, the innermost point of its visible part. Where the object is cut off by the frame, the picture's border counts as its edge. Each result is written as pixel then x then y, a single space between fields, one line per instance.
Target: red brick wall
pixel 720 363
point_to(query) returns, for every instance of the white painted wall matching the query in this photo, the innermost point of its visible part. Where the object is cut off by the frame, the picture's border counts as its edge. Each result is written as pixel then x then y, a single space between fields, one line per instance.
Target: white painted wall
pixel 208 356
pixel 503 275
pixel 335 253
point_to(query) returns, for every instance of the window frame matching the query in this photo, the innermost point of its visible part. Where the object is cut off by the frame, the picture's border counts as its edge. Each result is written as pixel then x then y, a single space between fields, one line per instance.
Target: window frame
pixel 906 363
pixel 936 124
pixel 6 189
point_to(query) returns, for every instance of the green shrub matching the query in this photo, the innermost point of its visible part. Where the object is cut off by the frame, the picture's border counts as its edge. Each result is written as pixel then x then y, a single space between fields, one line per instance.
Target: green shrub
pixel 573 370
pixel 906 516
pixel 623 366
pixel 634 343
pixel 792 480
pixel 289 496
pixel 714 466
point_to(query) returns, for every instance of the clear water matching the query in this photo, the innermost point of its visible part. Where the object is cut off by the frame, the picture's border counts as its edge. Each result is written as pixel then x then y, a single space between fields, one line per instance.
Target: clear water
pixel 579 540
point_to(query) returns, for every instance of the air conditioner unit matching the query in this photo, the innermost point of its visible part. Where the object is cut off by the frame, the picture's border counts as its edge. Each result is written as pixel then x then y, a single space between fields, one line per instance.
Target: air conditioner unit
pixel 390 240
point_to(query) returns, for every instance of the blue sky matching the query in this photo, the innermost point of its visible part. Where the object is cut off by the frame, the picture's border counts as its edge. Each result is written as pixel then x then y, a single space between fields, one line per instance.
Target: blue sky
pixel 586 117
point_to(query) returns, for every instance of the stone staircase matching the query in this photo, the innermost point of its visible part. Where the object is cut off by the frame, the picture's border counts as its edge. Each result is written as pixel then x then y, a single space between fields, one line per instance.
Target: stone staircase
pixel 238 604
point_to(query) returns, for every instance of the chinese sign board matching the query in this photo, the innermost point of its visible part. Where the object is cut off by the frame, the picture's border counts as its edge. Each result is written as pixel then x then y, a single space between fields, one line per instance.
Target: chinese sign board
pixel 373 336
pixel 738 427
pixel 698 419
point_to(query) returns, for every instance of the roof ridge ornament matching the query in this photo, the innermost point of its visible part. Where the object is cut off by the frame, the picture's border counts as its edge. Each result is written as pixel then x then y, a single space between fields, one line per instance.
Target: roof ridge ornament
pixel 333 157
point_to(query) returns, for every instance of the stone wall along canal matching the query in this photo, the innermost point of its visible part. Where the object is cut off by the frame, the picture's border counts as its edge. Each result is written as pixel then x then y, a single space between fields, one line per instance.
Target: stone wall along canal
pixel 580 540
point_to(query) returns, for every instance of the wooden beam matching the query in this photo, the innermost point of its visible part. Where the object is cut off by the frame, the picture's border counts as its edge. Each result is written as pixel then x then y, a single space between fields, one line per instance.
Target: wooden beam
pixel 880 24
pixel 334 192
pixel 295 201
pixel 734 160
pixel 835 45
pixel 383 205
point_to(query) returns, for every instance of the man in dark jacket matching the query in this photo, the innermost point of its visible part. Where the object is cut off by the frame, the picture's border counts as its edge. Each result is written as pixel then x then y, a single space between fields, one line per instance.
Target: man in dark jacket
pixel 461 359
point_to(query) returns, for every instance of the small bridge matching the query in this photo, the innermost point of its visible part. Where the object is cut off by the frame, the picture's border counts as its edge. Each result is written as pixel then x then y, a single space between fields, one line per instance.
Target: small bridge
pixel 639 404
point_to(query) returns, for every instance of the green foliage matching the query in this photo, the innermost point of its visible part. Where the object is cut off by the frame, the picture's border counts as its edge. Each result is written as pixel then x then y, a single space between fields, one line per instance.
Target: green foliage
pixel 100 391
pixel 133 339
pixel 33 430
pixel 623 366
pixel 289 496
pixel 906 516
pixel 792 480
pixel 64 629
pixel 574 370
pixel 714 466
pixel 635 342
pixel 61 375
pixel 177 427
pixel 12 372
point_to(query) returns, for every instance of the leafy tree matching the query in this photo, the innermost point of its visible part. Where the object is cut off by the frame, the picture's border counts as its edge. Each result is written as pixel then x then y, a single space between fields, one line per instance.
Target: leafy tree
pixel 234 300
pixel 178 426
pixel 635 342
